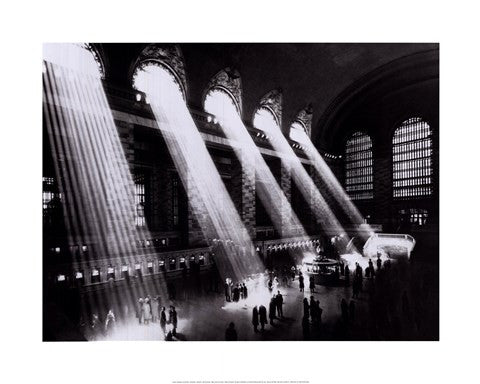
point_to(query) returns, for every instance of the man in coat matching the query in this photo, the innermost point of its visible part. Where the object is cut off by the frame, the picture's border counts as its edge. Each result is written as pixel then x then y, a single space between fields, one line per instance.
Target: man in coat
pixel 262 312
pixel 255 319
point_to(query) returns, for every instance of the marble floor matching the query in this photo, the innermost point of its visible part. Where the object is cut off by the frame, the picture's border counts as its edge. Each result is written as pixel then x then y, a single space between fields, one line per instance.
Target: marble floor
pixel 205 316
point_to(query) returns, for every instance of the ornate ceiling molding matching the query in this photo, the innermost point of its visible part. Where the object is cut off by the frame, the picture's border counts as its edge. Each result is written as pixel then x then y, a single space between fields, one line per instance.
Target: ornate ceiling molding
pixel 168 56
pixel 228 80
pixel 96 56
pixel 273 102
pixel 304 117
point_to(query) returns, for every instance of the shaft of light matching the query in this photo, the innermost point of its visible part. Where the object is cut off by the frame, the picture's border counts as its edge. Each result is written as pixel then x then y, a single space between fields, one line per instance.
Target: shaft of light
pixel 208 196
pixel 334 187
pixel 278 207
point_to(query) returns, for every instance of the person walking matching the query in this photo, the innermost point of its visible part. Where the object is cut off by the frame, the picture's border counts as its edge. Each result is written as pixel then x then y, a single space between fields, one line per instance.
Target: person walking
pixel 262 312
pixel 255 319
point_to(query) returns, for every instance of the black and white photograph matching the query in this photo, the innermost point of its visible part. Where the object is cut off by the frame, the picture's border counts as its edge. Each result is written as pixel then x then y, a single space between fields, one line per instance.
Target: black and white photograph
pixel 215 192
pixel 211 192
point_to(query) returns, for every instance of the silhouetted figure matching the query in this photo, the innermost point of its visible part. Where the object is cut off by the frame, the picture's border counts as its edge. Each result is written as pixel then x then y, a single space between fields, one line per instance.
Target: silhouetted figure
pixel 140 311
pixel 367 272
pixel 236 293
pixel 245 291
pixel 342 269
pixel 351 310
pixel 293 273
pixel 270 285
pixel 279 302
pixel 379 263
pixel 301 283
pixel 255 319
pixel 231 333
pixel 312 284
pixel 271 310
pixel 344 308
pixel 227 292
pixel 262 312
pixel 163 320
pixel 370 266
pixel 306 308
pixel 173 319
pixel 347 276
pixel 109 322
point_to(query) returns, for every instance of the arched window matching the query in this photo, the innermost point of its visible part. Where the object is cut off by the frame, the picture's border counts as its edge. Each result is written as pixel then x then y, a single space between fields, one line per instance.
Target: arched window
pixel 359 167
pixel 412 159
pixel 82 58
pixel 298 132
pixel 220 104
pixel 265 120
pixel 157 82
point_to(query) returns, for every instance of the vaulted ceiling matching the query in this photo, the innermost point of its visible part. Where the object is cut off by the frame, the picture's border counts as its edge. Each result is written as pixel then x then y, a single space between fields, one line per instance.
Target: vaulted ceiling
pixel 306 73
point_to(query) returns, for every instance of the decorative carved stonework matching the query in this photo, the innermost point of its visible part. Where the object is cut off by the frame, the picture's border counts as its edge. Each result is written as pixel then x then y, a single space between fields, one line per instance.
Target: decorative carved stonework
pixel 229 81
pixel 96 56
pixel 273 101
pixel 304 117
pixel 167 55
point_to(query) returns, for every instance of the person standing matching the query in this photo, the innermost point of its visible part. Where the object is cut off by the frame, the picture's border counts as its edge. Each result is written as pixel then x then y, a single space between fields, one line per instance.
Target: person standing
pixel 255 319
pixel 109 322
pixel 312 284
pixel 147 312
pixel 271 310
pixel 155 308
pixel 163 320
pixel 262 312
pixel 300 282
pixel 140 311
pixel 379 262
pixel 245 291
pixel 173 320
pixel 279 300
pixel 231 333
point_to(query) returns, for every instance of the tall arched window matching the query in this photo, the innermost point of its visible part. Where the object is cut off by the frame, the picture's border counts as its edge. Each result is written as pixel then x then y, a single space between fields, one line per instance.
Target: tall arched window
pixel 298 132
pixel 412 159
pixel 220 104
pixel 359 167
pixel 265 120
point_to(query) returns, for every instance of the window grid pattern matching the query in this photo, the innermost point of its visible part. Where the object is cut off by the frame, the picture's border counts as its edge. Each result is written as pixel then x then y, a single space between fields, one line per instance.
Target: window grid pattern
pixel 412 159
pixel 139 201
pixel 359 167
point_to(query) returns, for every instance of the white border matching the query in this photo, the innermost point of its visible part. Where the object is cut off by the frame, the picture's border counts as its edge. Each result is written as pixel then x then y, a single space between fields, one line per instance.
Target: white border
pixel 26 25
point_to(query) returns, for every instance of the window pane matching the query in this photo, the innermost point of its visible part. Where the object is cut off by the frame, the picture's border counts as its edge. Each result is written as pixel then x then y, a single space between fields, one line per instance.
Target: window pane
pixel 412 165
pixel 359 167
